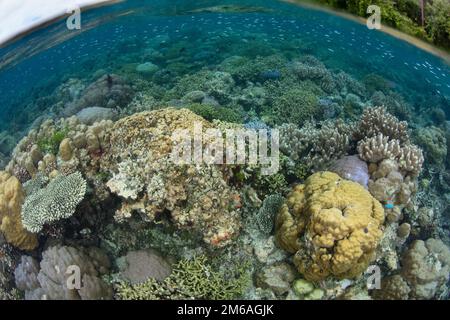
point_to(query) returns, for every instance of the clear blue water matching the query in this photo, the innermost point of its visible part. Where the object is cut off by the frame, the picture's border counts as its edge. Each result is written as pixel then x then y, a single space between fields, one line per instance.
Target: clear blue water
pixel 35 65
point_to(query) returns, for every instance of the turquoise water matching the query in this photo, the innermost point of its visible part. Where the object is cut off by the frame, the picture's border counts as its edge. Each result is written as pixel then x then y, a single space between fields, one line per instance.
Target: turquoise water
pixel 46 59
pixel 255 64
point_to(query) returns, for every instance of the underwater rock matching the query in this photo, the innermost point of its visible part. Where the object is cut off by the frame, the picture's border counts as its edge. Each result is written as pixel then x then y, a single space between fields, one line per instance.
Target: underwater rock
pixel 277 277
pixel 109 91
pixel 332 225
pixel 95 114
pixel 138 266
pixel 351 168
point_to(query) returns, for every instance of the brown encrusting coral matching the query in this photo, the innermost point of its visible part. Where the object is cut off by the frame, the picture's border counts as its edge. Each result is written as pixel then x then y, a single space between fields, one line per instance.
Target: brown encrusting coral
pixel 150 183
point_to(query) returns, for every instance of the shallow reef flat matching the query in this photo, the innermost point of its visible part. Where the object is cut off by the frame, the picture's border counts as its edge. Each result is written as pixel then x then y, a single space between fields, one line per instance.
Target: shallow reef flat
pixel 89 186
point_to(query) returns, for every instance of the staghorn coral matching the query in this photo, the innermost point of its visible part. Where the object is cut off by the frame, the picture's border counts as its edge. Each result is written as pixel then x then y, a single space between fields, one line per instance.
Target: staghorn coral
pixel 190 279
pixel 11 199
pixel 195 197
pixel 377 120
pixel 58 200
pixel 332 225
pixel 50 281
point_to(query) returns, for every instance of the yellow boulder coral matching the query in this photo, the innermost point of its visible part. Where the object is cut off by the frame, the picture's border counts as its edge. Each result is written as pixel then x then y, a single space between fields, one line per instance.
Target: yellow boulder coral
pixel 332 225
pixel 11 199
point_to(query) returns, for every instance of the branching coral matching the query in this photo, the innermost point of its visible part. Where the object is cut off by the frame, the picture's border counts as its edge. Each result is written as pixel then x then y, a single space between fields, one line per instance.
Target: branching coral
pixel 58 200
pixel 377 120
pixel 316 146
pixel 11 199
pixel 332 225
pixel 190 279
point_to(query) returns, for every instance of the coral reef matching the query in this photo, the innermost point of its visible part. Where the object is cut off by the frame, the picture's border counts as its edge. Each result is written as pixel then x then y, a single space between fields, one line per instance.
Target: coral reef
pixel 424 274
pixel 434 144
pixel 194 197
pixel 332 225
pixel 52 279
pixel 315 146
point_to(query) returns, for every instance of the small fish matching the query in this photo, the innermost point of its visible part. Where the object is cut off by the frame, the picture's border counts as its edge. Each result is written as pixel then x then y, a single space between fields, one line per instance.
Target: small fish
pixel 230 9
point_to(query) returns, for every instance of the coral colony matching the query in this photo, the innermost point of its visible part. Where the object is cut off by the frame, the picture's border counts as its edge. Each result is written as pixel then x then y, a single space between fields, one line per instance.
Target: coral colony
pixel 229 148
pixel 226 152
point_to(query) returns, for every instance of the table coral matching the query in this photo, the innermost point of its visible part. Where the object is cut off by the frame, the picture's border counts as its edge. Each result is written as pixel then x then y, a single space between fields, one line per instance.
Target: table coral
pixel 11 199
pixel 58 200
pixel 332 225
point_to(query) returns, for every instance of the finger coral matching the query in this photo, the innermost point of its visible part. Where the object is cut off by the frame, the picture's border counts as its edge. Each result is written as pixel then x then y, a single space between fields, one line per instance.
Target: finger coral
pixel 190 279
pixel 332 225
pixel 377 120
pixel 11 199
pixel 58 200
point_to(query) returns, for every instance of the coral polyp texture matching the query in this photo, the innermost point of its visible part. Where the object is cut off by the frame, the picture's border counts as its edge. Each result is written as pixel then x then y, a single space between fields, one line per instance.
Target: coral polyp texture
pixel 11 200
pixel 58 200
pixel 331 225
pixel 65 273
pixel 150 183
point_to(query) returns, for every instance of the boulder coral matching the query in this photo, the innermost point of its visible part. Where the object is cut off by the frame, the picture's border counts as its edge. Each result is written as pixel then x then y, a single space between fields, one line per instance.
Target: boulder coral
pixel 150 183
pixel 11 199
pixel 332 225
pixel 49 279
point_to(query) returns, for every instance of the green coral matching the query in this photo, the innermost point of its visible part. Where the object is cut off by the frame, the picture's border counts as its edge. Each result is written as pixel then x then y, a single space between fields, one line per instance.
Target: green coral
pixel 190 279
pixel 210 113
pixel 58 200
pixel 51 144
